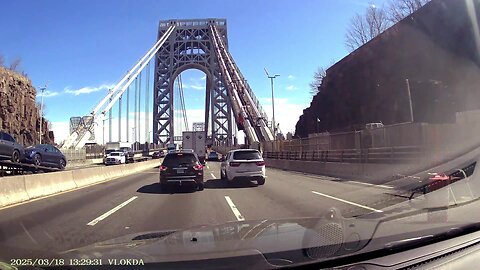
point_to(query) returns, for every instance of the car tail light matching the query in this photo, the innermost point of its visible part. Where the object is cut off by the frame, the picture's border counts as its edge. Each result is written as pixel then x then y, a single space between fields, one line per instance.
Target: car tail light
pixel 163 168
pixel 198 167
pixel 260 163
pixel 234 164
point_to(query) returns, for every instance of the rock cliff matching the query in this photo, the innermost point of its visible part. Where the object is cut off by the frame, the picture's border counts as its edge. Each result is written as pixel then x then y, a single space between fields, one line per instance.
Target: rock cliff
pixel 19 115
pixel 435 48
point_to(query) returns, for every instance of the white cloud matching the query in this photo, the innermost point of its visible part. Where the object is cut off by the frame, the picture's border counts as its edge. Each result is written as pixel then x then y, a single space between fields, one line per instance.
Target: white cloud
pixel 286 113
pixel 47 94
pixel 203 78
pixel 290 77
pixel 196 87
pixel 61 130
pixel 291 88
pixel 88 89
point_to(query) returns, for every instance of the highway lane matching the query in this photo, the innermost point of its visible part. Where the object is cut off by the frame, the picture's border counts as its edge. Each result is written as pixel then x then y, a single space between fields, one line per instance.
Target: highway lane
pixel 136 204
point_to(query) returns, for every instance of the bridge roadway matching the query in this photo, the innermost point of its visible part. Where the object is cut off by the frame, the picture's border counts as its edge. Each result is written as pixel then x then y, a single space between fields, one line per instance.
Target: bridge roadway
pixel 85 216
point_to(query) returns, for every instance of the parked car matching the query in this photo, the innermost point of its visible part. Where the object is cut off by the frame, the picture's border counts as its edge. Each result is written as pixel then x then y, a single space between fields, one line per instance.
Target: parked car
pixel 45 155
pixel 243 164
pixel 181 167
pixel 213 156
pixel 129 153
pixel 10 149
pixel 116 158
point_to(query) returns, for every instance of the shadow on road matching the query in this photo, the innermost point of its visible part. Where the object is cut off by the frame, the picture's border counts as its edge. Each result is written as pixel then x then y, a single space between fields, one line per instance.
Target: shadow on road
pixel 155 189
pixel 219 184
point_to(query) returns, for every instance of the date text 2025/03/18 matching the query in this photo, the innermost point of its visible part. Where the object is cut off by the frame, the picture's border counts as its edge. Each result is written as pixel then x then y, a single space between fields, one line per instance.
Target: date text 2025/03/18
pixel 75 262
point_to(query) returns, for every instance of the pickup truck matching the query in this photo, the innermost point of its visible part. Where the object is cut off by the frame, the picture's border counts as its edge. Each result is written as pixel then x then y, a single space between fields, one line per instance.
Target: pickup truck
pixel 115 158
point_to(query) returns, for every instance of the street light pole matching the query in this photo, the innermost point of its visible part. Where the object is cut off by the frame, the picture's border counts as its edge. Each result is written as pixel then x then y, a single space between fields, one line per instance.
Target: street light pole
pixel 273 103
pixel 41 112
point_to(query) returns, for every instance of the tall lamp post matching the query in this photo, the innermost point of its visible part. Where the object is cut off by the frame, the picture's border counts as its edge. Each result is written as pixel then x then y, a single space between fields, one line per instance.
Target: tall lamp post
pixel 273 103
pixel 41 112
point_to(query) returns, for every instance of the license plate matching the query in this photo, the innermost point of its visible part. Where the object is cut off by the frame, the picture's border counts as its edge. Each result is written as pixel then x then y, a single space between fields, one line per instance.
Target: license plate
pixel 180 171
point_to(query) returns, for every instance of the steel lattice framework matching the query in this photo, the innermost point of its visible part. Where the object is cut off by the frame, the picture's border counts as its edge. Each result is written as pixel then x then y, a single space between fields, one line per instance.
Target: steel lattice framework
pixel 190 46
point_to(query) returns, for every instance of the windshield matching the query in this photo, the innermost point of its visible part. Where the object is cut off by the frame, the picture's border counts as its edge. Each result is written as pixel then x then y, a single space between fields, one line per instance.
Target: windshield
pixel 320 128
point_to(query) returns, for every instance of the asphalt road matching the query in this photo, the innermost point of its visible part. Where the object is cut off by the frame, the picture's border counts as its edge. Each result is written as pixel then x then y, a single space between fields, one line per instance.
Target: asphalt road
pixel 136 204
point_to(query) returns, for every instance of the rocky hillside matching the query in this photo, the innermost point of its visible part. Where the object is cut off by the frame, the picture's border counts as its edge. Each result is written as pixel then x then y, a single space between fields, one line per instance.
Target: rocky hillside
pixel 19 114
pixel 435 49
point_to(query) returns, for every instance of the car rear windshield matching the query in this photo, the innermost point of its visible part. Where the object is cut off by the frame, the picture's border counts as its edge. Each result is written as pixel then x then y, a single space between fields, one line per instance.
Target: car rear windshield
pixel 246 155
pixel 176 159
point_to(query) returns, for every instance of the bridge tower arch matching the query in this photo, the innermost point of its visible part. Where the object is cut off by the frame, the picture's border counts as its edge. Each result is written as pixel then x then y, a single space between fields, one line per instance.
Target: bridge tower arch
pixel 190 46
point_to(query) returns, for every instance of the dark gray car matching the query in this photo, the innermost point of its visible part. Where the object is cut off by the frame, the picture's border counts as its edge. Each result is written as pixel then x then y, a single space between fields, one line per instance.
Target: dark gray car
pixel 45 155
pixel 10 149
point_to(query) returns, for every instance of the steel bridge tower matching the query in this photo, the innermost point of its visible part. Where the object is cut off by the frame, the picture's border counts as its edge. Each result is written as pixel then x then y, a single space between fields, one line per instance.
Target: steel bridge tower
pixel 190 46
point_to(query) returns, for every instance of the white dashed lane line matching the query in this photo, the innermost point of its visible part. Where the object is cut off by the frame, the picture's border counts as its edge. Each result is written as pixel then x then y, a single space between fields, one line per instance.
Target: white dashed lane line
pixel 235 211
pixel 371 185
pixel 345 201
pixel 214 177
pixel 104 216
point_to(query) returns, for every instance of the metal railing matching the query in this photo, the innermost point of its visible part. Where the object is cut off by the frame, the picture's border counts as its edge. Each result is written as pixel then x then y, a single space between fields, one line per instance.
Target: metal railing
pixel 369 155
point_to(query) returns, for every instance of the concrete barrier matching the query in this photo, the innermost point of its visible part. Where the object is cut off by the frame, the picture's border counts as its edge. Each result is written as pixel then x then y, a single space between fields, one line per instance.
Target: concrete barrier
pixel 12 190
pixel 15 189
pixel 38 185
pixel 371 173
pixel 87 176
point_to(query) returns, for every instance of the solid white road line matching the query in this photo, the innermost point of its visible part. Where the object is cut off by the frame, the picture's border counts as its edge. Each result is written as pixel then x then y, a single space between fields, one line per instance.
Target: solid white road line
pixel 234 209
pixel 213 175
pixel 208 167
pixel 349 202
pixel 102 217
pixel 372 185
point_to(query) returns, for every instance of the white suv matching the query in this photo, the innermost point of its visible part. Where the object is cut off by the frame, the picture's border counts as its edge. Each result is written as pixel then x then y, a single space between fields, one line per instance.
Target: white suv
pixel 243 163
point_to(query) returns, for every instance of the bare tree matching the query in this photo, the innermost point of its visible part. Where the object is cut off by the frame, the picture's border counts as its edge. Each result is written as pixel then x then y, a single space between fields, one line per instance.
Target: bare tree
pixel 318 77
pixel 365 27
pixel 15 64
pixel 2 60
pixel 399 9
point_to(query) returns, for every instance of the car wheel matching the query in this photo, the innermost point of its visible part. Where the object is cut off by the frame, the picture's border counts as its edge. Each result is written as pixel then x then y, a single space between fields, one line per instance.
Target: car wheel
pixel 61 164
pixel 261 181
pixel 37 160
pixel 222 176
pixel 16 156
pixel 201 186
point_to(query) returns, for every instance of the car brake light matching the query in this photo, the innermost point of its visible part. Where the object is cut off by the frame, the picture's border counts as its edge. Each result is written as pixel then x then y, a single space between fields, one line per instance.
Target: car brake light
pixel 163 168
pixel 198 167
pixel 260 163
pixel 234 164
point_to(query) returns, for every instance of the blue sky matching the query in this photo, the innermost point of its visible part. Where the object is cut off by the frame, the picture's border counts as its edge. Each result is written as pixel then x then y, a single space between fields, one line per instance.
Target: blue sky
pixel 89 45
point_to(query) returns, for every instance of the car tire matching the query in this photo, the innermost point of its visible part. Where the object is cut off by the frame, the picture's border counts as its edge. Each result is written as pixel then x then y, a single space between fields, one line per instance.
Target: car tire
pixel 61 164
pixel 37 160
pixel 261 181
pixel 201 187
pixel 163 187
pixel 222 176
pixel 16 156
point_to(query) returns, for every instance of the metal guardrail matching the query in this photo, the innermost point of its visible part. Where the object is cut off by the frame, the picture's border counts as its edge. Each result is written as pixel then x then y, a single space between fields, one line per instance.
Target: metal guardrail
pixel 368 155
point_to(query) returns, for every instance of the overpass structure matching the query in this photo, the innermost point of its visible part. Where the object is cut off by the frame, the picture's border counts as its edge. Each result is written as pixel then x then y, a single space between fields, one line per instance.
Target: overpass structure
pixel 183 44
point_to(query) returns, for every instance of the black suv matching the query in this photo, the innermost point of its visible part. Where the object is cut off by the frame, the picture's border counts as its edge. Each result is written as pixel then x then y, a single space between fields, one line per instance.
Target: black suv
pixel 181 167
pixel 10 149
